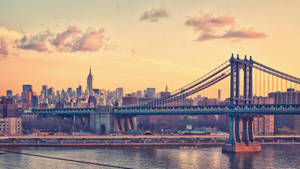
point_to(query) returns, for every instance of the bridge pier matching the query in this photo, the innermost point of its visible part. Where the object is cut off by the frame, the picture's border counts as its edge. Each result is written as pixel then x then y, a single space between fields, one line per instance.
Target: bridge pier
pixel 125 123
pixel 235 143
pixel 101 120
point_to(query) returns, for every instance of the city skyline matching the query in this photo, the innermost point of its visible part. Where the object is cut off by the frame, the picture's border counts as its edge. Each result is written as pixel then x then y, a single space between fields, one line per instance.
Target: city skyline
pixel 157 39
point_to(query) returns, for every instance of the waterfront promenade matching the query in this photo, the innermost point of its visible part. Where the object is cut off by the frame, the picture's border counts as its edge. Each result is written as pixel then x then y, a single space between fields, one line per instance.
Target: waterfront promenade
pixel 136 140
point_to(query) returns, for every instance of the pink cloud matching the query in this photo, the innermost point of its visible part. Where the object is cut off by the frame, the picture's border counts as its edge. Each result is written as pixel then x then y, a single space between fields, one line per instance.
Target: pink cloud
pixel 249 34
pixel 62 37
pixel 208 23
pixel 91 40
pixel 237 35
pixel 221 27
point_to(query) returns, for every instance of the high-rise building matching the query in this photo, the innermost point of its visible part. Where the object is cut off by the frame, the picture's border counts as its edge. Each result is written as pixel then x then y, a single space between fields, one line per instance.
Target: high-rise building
pixel 139 93
pixel 69 91
pixel 27 88
pixel 34 101
pixel 150 92
pixel 89 86
pixel 164 94
pixel 8 108
pixel 11 126
pixel 44 90
pixel 119 93
pixel 263 125
pixel 79 91
pixel 9 93
pixel 289 97
pixel 26 96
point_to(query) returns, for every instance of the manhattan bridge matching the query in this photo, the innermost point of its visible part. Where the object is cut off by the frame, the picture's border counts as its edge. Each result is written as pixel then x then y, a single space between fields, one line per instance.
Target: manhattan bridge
pixel 242 80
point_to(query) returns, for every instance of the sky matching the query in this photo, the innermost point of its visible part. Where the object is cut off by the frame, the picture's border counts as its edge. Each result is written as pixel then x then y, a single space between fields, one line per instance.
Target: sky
pixel 137 44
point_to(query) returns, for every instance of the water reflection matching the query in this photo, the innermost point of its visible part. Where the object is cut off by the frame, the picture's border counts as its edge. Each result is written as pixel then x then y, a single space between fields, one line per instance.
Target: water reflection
pixel 272 156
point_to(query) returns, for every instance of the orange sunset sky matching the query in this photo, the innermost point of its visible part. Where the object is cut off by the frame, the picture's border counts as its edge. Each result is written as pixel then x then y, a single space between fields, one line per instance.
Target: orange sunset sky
pixel 136 44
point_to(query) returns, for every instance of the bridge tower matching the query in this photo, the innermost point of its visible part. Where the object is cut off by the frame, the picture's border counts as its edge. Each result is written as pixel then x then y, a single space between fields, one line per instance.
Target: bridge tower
pixel 241 126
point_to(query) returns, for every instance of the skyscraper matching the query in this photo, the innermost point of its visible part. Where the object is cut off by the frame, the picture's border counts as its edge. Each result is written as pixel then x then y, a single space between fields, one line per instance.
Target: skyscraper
pixel 9 93
pixel 150 92
pixel 89 86
pixel 78 91
pixel 45 90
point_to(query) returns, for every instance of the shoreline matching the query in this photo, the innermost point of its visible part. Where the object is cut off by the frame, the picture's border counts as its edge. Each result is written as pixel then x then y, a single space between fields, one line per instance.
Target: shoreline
pixel 129 144
pixel 140 140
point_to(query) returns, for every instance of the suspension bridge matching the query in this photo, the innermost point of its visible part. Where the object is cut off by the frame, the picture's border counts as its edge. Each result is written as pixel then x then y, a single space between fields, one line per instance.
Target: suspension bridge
pixel 244 81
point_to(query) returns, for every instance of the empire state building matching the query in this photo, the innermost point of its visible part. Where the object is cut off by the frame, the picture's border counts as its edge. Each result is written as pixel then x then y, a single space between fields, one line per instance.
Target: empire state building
pixel 89 86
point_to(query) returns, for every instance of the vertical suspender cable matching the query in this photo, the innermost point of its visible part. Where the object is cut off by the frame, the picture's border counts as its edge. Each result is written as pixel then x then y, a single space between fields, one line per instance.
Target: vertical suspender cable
pixel 273 83
pixel 259 81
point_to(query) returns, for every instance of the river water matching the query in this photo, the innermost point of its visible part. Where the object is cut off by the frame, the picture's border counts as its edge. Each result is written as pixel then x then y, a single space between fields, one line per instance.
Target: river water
pixel 271 156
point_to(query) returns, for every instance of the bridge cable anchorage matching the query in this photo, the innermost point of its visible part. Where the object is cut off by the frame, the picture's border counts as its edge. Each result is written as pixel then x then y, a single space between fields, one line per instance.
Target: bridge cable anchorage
pixel 64 159
pixel 190 87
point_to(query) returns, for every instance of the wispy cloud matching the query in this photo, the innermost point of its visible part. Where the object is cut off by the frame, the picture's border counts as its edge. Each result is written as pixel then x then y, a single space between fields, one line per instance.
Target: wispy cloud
pixel 208 23
pixel 245 33
pixel 155 14
pixel 221 27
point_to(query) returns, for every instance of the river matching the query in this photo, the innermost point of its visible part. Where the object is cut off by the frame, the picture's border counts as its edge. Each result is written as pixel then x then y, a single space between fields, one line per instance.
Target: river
pixel 271 156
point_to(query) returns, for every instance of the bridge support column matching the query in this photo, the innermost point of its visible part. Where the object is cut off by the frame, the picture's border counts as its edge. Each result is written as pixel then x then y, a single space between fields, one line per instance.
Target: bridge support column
pixel 231 139
pixel 245 137
pixel 122 124
pixel 128 124
pixel 133 123
pixel 74 119
pixel 237 129
pixel 250 129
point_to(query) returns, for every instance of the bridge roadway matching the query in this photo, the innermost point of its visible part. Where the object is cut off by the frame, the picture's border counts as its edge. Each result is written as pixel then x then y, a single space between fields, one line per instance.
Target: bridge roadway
pixel 180 110
pixel 137 136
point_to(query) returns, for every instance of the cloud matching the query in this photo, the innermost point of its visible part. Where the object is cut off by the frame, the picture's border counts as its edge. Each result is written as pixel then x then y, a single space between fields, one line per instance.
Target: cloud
pixel 208 23
pixel 62 37
pixel 70 40
pixel 154 14
pixel 207 36
pixel 246 33
pixel 9 34
pixel 239 34
pixel 3 48
pixel 39 42
pixel 7 38
pixel 91 40
pixel 221 27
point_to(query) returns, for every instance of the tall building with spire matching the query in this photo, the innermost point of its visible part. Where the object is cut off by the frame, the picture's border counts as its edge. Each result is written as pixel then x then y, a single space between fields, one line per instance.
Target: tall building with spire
pixel 89 86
